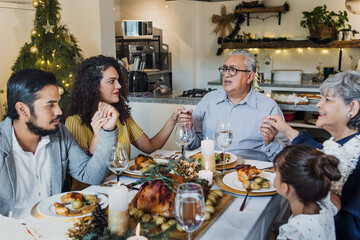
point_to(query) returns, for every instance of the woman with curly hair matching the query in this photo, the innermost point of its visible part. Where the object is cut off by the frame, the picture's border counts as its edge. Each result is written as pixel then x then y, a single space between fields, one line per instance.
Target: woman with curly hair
pixel 103 79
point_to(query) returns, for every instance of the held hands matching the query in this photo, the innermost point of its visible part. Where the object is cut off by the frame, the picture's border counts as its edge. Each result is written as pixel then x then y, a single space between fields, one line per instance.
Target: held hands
pixel 176 113
pixel 185 117
pixel 280 125
pixel 106 117
pixel 268 132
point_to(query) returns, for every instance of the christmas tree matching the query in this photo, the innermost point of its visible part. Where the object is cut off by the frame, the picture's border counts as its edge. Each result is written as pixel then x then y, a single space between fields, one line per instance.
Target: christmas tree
pixel 52 47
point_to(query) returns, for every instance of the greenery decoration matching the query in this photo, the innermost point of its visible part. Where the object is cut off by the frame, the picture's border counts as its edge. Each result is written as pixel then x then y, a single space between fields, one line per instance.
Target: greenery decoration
pixel 321 15
pixel 52 48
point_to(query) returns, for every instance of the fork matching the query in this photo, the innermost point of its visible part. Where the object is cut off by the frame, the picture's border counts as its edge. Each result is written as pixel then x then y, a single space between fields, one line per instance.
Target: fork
pixel 248 190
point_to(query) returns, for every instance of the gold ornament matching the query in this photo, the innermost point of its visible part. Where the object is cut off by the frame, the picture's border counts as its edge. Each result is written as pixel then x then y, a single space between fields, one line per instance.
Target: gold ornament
pixel 223 22
pixel 61 91
pixel 33 32
pixel 34 49
pixel 58 16
pixel 35 3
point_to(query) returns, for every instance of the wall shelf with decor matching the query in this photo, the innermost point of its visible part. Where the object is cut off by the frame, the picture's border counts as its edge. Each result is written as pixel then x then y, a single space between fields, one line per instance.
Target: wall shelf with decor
pixel 278 10
pixel 290 44
pixel 293 44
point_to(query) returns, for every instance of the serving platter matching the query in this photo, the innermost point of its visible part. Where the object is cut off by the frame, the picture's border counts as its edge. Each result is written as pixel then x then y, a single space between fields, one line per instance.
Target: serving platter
pixel 220 207
pixel 46 208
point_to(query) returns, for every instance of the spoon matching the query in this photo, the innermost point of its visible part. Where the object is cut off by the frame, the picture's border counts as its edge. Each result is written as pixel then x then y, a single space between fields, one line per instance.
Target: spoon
pixel 248 190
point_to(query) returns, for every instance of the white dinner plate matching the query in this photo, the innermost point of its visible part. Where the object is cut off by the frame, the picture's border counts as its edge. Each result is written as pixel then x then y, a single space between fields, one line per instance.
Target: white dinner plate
pixel 231 180
pixel 138 172
pixel 232 159
pixel 46 207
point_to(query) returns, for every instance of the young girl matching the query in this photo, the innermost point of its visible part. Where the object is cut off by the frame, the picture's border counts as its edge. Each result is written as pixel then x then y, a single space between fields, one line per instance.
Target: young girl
pixel 303 176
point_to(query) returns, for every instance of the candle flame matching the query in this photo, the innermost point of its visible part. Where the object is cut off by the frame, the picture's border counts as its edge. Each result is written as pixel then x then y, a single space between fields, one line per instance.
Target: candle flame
pixel 118 184
pixel 138 230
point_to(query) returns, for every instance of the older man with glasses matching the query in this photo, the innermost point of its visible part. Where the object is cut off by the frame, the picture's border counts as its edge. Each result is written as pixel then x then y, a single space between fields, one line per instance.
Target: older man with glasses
pixel 243 107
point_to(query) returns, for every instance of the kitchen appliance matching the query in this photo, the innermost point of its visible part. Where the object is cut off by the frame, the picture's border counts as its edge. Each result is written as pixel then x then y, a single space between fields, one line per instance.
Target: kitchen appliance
pixel 137 29
pixel 146 53
pixel 196 92
pixel 291 76
pixel 138 82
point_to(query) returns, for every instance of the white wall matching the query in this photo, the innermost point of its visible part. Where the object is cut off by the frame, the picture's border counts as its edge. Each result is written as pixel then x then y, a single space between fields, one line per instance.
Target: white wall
pixel 188 30
pixel 15 29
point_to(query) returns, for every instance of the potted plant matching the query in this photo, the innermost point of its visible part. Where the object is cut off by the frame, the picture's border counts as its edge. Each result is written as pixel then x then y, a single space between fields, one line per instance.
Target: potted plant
pixel 322 23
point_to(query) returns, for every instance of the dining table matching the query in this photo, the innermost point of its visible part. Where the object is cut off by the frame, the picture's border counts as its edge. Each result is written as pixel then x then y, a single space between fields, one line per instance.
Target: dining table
pixel 254 222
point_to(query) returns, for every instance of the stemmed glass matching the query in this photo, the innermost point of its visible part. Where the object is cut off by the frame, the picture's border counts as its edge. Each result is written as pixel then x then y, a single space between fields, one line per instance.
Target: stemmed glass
pixel 183 136
pixel 189 207
pixel 118 161
pixel 224 137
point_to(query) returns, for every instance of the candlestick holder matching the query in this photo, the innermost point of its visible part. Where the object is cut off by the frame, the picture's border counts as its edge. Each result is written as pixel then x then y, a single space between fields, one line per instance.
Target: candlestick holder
pixel 118 222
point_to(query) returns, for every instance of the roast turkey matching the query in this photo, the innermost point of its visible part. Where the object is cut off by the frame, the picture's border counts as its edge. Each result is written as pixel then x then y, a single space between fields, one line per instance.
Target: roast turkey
pixel 156 198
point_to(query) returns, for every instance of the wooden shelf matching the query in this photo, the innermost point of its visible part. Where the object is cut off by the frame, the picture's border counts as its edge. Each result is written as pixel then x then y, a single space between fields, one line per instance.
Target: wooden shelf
pixel 290 44
pixel 247 11
pixel 260 10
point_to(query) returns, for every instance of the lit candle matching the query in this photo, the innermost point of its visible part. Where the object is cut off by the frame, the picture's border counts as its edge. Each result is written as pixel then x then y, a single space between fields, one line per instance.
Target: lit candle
pixel 206 175
pixel 118 210
pixel 137 234
pixel 208 155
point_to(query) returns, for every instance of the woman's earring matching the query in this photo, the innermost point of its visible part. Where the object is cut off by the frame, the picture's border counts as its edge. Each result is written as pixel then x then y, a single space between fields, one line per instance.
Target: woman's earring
pixel 350 115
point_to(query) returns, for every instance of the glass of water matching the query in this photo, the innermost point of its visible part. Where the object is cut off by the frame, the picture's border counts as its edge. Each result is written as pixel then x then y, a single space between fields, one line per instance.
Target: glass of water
pixel 189 207
pixel 224 136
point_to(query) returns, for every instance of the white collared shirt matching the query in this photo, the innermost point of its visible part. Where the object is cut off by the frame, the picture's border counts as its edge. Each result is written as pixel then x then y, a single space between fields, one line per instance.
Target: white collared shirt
pixel 33 173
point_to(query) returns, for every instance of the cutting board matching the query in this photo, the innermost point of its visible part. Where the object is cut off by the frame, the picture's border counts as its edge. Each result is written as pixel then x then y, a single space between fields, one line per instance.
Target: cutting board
pixel 288 75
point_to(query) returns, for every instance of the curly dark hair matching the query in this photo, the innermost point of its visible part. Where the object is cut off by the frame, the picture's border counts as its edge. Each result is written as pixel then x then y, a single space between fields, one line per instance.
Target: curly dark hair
pixel 85 94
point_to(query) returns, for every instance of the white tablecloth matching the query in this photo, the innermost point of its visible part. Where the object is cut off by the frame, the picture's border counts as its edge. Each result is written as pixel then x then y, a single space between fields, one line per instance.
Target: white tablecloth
pixel 252 223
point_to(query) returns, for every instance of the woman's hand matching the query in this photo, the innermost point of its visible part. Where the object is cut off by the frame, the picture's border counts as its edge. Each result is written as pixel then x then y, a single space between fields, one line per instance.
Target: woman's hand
pixel 279 124
pixel 185 117
pixel 176 113
pixel 97 122
pixel 109 113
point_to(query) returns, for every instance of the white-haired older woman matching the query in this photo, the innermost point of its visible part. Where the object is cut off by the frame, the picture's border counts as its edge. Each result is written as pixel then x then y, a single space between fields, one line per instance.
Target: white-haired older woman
pixel 339 115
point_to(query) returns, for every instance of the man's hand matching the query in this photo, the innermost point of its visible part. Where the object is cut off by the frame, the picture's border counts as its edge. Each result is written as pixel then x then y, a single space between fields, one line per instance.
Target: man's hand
pixel 109 113
pixel 268 132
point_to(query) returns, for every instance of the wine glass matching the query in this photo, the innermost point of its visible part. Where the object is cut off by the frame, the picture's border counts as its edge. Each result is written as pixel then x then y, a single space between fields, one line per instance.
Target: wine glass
pixel 189 207
pixel 224 136
pixel 183 136
pixel 118 161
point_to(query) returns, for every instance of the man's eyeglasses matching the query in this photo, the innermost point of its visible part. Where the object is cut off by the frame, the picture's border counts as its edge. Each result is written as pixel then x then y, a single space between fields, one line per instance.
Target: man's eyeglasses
pixel 231 70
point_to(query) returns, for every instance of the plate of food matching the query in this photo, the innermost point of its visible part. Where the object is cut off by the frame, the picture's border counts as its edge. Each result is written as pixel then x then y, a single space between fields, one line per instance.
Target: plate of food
pixel 246 176
pixel 70 205
pixel 141 164
pixel 229 157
